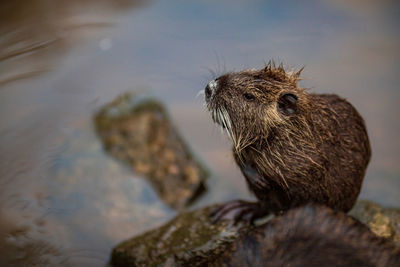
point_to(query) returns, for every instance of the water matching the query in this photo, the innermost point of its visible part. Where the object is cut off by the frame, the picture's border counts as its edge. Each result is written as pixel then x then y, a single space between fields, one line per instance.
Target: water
pixel 64 201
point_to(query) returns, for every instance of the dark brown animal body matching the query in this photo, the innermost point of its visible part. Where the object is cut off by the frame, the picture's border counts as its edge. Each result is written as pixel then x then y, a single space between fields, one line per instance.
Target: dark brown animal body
pixel 293 147
pixel 310 236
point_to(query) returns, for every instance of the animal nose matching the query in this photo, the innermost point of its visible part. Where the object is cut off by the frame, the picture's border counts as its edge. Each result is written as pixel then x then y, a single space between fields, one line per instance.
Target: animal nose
pixel 211 88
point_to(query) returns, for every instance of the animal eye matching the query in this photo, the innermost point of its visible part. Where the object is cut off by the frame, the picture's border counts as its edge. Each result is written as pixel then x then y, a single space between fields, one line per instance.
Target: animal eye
pixel 249 97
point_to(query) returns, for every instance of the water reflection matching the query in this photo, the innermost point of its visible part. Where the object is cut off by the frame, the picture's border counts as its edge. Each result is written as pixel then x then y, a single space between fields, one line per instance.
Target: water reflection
pixel 34 34
pixel 63 201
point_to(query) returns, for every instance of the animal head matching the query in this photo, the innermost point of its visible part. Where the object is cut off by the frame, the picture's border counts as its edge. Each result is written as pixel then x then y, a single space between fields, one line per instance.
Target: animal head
pixel 250 104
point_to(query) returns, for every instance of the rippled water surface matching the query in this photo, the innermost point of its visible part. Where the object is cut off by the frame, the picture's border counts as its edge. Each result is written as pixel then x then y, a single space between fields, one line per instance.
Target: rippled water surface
pixel 64 201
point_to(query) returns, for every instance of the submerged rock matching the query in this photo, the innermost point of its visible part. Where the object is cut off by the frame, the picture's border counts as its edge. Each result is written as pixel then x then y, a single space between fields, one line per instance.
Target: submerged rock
pixel 306 236
pixel 384 222
pixel 139 132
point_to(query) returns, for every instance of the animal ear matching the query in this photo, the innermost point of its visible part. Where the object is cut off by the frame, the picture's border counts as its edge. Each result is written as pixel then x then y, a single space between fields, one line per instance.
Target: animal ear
pixel 287 104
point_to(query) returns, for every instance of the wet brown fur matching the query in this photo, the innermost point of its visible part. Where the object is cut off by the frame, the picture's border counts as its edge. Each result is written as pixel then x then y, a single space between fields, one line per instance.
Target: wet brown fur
pixel 310 236
pixel 318 154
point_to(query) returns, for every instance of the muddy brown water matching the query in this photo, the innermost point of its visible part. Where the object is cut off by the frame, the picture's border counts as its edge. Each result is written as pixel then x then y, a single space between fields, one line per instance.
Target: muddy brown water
pixel 64 201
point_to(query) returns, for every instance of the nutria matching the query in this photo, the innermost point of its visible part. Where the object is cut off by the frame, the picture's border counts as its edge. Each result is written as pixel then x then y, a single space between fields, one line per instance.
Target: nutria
pixel 310 236
pixel 293 147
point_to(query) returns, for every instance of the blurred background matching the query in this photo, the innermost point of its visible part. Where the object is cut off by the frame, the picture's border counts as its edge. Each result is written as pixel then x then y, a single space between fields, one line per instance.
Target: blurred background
pixel 64 201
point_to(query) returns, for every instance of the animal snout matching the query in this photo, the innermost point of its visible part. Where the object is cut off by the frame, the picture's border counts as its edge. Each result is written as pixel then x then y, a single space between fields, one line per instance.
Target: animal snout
pixel 210 89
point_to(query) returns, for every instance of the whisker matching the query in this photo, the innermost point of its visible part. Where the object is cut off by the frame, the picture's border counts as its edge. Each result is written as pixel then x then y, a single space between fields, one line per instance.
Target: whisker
pixel 228 125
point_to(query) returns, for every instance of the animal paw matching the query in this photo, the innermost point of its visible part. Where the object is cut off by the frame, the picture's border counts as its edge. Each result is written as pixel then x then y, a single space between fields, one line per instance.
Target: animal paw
pixel 237 211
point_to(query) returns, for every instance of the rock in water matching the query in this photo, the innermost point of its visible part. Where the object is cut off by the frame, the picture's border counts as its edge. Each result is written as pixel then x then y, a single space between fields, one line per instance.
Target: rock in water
pixel 190 238
pixel 306 236
pixel 139 132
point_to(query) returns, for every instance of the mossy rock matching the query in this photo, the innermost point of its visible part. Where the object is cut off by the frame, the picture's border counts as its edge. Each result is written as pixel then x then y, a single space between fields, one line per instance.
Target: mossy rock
pixel 384 222
pixel 305 236
pixel 189 239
